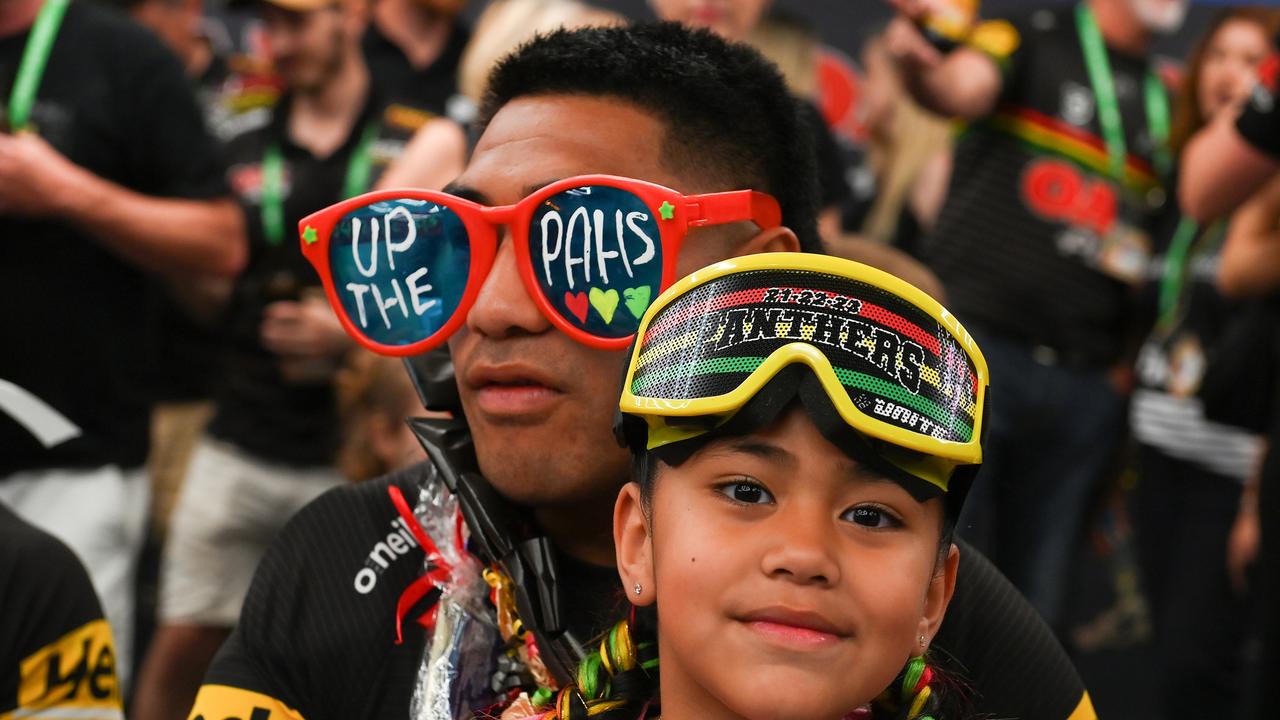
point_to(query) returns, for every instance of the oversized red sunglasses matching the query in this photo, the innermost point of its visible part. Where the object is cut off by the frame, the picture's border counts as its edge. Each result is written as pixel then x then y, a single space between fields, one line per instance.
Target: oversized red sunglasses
pixel 402 268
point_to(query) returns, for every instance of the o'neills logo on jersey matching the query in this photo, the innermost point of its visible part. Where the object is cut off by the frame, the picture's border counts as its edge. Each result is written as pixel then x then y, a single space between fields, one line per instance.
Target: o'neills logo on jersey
pixel 397 543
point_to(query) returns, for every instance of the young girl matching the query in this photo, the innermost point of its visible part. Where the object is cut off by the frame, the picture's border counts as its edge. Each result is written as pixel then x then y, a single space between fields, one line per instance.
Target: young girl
pixel 803 430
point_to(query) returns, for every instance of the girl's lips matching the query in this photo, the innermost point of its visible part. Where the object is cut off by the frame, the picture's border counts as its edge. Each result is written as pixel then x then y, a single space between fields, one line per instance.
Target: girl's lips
pixel 792 635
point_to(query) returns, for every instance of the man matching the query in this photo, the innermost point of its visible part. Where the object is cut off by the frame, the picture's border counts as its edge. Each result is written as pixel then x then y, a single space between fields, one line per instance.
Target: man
pixel 96 195
pixel 1041 238
pixel 56 654
pixel 271 444
pixel 413 48
pixel 318 634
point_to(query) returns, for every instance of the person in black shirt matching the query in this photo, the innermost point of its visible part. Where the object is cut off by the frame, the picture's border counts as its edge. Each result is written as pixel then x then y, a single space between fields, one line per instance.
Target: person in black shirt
pixel 331 627
pixel 1192 465
pixel 1040 244
pixel 57 658
pixel 272 442
pixel 1225 163
pixel 413 48
pixel 96 195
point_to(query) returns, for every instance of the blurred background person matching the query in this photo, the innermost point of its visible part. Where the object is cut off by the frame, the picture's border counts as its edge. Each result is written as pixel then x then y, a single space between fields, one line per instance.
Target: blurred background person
pixel 98 200
pixel 1040 244
pixel 784 41
pixel 272 442
pixel 438 150
pixel 57 658
pixel 375 396
pixel 413 48
pixel 902 180
pixel 1234 158
pixel 1191 470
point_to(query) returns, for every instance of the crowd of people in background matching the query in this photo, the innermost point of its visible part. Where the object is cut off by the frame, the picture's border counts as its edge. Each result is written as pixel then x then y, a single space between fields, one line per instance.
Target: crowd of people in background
pixel 173 376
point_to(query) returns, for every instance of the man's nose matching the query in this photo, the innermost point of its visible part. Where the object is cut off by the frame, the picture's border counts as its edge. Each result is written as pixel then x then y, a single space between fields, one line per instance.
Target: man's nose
pixel 503 307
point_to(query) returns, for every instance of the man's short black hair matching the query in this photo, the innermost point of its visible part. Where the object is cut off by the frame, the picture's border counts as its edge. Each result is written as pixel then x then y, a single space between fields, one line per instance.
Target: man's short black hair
pixel 727 110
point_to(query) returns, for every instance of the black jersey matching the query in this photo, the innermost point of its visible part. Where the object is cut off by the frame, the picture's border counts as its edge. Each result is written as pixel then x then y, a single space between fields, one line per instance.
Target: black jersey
pixel 1036 241
pixel 316 637
pixel 116 102
pixel 57 659
pixel 294 423
pixel 425 91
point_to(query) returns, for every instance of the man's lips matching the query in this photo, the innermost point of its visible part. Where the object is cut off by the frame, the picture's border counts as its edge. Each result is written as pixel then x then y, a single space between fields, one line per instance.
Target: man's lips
pixel 788 626
pixel 511 390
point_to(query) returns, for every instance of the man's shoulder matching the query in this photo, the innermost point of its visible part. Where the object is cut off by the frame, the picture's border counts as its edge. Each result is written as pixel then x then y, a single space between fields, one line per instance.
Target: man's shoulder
pixel 109 35
pixel 353 534
pixel 317 632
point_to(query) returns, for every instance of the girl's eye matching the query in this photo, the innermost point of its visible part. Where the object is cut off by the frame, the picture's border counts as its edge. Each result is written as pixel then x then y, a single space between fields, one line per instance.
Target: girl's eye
pixel 747 493
pixel 872 517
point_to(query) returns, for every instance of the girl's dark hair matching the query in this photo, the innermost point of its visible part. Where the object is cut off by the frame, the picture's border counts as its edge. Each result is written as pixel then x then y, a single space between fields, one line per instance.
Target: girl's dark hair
pixel 726 110
pixel 1187 118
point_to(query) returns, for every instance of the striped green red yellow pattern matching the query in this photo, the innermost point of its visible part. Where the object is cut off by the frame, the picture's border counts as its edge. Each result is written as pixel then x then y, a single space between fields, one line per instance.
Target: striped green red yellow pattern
pixel 1050 134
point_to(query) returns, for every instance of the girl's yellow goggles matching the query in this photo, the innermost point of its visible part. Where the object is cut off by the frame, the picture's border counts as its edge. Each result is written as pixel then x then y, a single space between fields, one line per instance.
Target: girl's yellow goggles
pixel 896 366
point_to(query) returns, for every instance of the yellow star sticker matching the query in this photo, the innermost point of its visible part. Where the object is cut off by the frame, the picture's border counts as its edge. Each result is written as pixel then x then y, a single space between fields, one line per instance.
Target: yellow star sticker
pixel 667 210
pixel 309 235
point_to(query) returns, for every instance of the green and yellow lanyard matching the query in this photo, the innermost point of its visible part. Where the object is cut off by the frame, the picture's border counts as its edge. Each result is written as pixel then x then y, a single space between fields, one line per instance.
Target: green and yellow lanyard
pixel 1104 88
pixel 355 182
pixel 35 57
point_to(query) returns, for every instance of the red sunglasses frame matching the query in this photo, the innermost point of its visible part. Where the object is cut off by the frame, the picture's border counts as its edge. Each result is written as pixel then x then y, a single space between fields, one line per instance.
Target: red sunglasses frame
pixel 482 223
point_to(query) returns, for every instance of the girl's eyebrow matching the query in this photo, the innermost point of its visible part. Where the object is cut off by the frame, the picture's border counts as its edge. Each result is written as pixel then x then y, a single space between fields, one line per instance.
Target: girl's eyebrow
pixel 766 451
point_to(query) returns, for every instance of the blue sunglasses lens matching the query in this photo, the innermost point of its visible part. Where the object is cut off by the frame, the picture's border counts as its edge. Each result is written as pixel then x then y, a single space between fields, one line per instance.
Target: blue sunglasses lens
pixel 400 268
pixel 597 256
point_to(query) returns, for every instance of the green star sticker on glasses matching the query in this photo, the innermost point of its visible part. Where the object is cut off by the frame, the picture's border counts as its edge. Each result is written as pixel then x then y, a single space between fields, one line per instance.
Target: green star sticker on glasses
pixel 309 235
pixel 667 210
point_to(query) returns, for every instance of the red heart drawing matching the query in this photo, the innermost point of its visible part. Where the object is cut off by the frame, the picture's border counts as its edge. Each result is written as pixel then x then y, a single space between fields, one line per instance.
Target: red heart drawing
pixel 577 305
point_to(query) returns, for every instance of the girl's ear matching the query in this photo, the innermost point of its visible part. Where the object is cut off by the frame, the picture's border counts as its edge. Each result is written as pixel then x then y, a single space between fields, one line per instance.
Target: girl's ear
pixel 634 547
pixel 937 598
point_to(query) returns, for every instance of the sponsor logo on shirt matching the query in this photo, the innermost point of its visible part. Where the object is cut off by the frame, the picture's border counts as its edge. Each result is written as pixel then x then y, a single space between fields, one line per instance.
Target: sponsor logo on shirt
pixel 73 676
pixel 398 543
pixel 222 702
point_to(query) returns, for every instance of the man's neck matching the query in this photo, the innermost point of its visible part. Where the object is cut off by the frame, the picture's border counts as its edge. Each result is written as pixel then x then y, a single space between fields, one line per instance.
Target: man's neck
pixel 1120 27
pixel 18 15
pixel 582 532
pixel 420 33
pixel 322 119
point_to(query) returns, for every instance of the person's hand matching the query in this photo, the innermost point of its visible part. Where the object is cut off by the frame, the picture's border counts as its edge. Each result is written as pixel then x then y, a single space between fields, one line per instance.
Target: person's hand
pixel 1242 546
pixel 306 329
pixel 35 179
pixel 903 40
pixel 308 338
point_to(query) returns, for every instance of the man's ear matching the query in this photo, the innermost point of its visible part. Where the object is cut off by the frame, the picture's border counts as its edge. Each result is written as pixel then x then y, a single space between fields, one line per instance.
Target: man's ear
pixel 633 544
pixel 779 239
pixel 941 588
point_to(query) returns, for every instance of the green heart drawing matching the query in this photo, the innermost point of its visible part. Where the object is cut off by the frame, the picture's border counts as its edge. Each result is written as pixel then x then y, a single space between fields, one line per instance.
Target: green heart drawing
pixel 605 302
pixel 637 299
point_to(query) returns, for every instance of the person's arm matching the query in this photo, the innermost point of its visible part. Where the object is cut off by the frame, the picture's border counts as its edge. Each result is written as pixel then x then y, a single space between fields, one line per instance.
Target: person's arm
pixel 432 159
pixel 889 259
pixel 1220 169
pixel 167 236
pixel 964 83
pixel 1250 262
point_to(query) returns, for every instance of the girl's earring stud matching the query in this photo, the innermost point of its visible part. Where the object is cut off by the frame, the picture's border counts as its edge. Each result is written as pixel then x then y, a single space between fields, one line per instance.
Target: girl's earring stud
pixel 637 589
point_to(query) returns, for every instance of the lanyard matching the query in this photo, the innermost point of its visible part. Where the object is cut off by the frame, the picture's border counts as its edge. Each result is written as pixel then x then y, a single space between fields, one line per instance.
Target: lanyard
pixel 1104 88
pixel 35 56
pixel 355 182
pixel 1176 266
